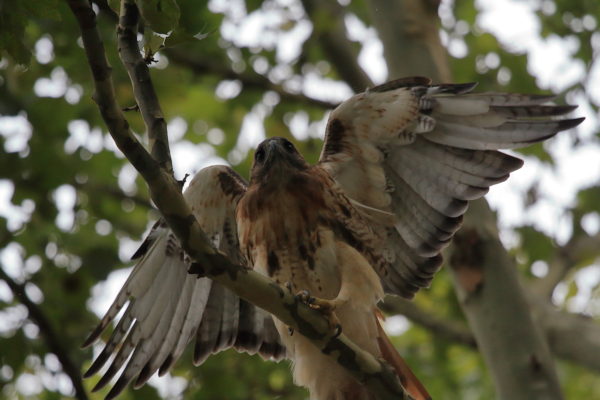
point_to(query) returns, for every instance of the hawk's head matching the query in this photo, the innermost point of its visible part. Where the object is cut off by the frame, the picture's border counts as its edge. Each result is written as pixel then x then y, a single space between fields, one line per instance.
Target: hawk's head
pixel 276 159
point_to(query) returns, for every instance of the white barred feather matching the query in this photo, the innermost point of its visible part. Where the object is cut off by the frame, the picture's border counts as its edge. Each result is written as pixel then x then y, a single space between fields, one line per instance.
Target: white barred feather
pixel 168 307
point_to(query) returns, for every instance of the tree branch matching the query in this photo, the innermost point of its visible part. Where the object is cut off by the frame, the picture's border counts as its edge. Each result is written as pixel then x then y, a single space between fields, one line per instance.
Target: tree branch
pixel 249 79
pixel 578 249
pixel 487 286
pixel 571 337
pixel 328 25
pixel 448 330
pixel 142 84
pixel 248 284
pixel 51 337
pixel 412 26
pixel 105 8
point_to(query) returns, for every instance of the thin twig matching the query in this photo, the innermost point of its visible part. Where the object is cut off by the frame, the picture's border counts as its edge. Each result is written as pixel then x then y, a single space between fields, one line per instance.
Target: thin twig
pixel 51 336
pixel 141 81
pixel 329 28
pixel 445 329
pixel 579 248
pixel 249 79
pixel 134 107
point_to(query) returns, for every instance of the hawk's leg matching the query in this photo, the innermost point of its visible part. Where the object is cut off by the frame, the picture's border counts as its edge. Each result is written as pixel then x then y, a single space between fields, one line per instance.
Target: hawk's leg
pixel 326 307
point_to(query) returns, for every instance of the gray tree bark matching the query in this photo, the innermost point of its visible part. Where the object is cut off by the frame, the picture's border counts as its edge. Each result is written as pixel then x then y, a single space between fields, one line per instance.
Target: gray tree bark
pixel 484 276
pixel 487 285
pixel 409 32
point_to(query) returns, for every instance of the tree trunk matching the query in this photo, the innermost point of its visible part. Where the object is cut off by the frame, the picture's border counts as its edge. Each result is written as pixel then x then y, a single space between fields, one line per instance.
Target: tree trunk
pixel 484 276
pixel 409 32
pixel 487 285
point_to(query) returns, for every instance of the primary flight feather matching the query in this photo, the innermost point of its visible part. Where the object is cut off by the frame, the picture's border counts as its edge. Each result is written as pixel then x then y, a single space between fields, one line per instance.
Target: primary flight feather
pixel 399 164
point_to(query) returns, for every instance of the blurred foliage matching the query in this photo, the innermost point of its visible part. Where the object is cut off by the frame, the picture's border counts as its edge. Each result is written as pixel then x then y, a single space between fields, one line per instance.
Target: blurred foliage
pixel 75 203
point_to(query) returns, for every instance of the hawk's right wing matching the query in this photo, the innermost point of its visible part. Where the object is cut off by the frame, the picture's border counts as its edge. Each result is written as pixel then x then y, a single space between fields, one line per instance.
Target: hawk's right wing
pixel 411 155
pixel 167 307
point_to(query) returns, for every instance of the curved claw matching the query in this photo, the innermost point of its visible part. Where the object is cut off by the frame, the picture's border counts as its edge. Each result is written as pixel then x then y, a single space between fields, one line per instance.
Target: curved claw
pixel 337 330
pixel 325 306
pixel 305 297
pixel 288 286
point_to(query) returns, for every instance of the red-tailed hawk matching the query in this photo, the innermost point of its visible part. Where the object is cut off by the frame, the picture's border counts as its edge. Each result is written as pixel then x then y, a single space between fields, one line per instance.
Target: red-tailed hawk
pixel 399 164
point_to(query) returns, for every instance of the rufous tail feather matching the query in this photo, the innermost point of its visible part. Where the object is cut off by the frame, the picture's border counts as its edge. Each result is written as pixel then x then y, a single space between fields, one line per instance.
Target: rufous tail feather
pixel 408 379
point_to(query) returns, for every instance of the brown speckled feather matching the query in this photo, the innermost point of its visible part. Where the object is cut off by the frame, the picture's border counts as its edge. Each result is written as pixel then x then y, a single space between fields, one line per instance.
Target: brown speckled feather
pixel 297 226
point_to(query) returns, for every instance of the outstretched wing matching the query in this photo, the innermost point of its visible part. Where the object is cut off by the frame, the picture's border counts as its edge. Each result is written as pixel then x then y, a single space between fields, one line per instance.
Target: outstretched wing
pixel 167 307
pixel 411 155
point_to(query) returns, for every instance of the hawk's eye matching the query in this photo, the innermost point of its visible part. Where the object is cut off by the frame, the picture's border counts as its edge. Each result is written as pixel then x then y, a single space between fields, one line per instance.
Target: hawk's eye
pixel 288 146
pixel 259 156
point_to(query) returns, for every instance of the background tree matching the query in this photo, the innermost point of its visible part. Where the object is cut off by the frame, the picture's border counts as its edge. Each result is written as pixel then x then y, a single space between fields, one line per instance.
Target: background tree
pixel 73 209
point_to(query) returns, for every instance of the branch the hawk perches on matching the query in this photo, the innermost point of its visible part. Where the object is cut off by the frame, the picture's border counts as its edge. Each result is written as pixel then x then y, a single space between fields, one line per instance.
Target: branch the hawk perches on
pixel 399 164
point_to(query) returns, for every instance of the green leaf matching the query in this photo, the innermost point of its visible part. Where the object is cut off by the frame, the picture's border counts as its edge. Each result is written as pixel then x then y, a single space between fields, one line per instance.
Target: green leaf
pixel 152 42
pixel 47 9
pixel 12 31
pixel 572 290
pixel 14 349
pixel 588 200
pixel 537 150
pixel 253 5
pixel 181 36
pixel 536 244
pixel 161 15
pixel 115 5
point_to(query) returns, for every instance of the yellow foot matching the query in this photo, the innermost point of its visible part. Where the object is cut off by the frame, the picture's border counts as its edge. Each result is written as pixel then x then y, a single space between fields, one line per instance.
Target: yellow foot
pixel 325 306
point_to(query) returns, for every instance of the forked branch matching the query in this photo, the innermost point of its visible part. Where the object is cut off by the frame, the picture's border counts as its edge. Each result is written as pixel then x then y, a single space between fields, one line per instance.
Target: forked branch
pixel 250 285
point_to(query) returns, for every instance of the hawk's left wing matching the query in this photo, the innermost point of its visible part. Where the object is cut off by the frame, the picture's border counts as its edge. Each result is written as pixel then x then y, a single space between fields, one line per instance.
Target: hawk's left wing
pixel 411 155
pixel 167 307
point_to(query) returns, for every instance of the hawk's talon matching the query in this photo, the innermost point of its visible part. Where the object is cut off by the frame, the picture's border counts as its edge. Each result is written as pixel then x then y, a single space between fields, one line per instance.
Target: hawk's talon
pixel 288 286
pixel 317 303
pixel 337 330
pixel 325 307
pixel 305 297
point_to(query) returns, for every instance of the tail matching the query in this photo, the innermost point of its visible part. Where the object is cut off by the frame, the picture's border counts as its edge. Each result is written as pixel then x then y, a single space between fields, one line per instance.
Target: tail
pixel 408 379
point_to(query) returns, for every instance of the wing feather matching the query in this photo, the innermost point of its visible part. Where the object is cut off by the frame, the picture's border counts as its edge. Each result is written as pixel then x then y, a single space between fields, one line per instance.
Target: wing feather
pixel 167 307
pixel 509 135
pixel 421 152
pixel 117 336
pixel 193 317
pixel 171 336
pixel 210 328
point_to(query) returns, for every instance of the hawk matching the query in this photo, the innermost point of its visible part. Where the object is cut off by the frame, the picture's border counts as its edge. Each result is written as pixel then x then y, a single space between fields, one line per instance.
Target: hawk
pixel 399 164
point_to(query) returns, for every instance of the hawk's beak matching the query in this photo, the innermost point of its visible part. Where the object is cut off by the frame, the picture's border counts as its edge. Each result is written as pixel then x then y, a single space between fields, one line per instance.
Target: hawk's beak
pixel 273 151
pixel 272 145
